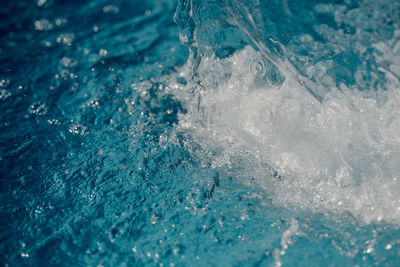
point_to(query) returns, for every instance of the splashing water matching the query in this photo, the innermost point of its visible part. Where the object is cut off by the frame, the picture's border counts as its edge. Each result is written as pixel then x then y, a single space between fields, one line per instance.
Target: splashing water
pixel 275 144
pixel 307 103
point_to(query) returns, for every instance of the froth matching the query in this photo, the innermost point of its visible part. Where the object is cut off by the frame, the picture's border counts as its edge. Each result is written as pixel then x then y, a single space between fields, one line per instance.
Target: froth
pixel 337 155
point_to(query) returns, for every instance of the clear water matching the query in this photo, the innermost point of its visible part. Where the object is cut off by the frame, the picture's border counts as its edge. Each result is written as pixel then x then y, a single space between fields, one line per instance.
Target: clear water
pixel 249 133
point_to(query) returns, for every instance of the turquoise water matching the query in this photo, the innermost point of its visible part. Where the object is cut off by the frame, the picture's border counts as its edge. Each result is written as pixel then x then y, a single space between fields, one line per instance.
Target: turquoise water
pixel 198 133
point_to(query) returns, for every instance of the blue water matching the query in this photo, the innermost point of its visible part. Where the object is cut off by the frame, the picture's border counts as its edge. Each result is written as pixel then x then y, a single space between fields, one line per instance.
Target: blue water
pixel 198 133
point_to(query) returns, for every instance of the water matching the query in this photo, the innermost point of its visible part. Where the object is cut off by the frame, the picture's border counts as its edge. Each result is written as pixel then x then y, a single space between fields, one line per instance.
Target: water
pixel 251 133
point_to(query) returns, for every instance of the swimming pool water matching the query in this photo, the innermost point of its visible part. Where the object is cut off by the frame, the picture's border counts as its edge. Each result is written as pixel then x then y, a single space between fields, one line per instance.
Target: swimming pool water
pixel 199 132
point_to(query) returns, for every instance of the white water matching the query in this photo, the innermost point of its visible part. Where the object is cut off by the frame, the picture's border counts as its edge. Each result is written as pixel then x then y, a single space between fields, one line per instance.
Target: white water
pixel 341 154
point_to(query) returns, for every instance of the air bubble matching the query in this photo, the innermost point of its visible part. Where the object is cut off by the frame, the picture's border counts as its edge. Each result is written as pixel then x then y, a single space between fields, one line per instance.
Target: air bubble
pixel 103 52
pixel 258 67
pixel 263 70
pixel 4 94
pixel 78 129
pixel 38 109
pixel 4 83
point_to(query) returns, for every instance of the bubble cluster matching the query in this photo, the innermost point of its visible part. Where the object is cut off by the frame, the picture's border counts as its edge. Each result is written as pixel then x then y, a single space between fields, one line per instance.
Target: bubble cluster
pixel 38 109
pixel 78 129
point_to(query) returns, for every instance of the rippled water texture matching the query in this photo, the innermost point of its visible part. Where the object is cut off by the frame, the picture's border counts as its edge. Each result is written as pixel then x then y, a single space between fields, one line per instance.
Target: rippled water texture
pixel 247 133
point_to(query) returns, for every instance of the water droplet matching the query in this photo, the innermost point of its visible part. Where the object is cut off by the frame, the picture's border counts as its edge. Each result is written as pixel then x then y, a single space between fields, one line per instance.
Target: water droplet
pixel 38 109
pixel 66 38
pixel 61 21
pixel 4 83
pixel 111 9
pixel 78 129
pixel 4 94
pixel 41 2
pixel 43 25
pixel 103 52
pixel 67 62
pixel 47 43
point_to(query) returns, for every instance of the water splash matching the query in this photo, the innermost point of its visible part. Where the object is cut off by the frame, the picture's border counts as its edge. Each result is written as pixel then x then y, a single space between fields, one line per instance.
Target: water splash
pixel 285 242
pixel 305 104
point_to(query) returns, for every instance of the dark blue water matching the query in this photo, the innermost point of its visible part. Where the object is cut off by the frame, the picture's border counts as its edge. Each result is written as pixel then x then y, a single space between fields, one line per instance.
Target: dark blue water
pixel 198 133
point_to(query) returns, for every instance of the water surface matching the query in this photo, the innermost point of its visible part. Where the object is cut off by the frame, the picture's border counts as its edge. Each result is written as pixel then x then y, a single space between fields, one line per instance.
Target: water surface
pixel 246 133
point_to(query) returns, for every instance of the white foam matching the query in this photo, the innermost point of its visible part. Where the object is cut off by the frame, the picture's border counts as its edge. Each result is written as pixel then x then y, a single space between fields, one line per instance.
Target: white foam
pixel 338 155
